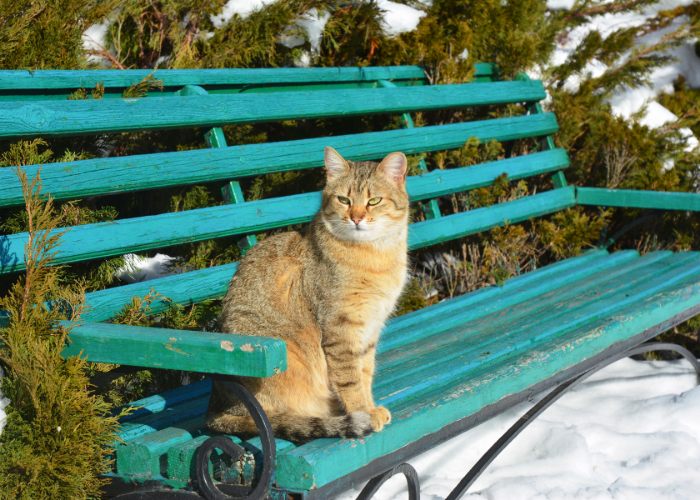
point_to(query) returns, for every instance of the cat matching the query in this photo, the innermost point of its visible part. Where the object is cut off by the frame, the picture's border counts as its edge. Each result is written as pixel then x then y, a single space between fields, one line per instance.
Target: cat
pixel 326 291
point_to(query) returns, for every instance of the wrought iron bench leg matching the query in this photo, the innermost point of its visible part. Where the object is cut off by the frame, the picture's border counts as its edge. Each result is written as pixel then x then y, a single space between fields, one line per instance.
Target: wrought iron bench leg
pixel 550 399
pixel 207 488
pixel 375 483
pixel 211 491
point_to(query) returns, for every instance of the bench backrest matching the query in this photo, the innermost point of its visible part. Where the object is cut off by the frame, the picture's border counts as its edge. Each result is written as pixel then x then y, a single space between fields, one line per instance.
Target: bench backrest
pixel 34 104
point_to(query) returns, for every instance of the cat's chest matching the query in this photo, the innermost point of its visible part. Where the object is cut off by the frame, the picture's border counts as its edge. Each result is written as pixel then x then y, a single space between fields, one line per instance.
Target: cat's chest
pixel 374 298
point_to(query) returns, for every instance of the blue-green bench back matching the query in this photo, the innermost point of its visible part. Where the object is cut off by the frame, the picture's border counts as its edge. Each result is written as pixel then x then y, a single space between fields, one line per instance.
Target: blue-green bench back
pixel 35 104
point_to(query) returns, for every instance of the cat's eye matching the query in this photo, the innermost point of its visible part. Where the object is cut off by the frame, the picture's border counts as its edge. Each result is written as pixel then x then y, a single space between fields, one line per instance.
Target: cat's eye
pixel 374 201
pixel 344 200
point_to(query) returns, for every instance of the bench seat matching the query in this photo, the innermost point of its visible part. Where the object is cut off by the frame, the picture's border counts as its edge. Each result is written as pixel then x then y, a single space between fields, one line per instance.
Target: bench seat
pixel 452 364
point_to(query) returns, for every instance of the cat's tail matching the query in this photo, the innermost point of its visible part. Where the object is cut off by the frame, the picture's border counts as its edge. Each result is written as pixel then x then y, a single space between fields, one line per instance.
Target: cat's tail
pixel 296 427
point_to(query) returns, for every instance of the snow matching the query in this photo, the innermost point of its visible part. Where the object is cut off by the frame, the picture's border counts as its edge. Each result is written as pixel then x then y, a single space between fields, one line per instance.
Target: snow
pixel 94 39
pixel 628 102
pixel 560 4
pixel 629 432
pixel 399 18
pixel 3 404
pixel 314 22
pixel 137 268
pixel 3 416
pixel 241 7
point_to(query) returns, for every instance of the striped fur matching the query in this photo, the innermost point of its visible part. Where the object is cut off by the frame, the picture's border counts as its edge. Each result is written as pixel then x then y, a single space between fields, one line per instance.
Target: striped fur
pixel 326 292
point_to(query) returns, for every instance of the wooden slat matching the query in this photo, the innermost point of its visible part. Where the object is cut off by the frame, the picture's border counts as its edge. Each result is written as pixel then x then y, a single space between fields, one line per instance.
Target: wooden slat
pixel 117 93
pixel 638 199
pixel 317 463
pixel 14 81
pixel 51 118
pixel 116 175
pixel 442 182
pixel 105 239
pixel 71 79
pixel 91 241
pixel 206 352
pixel 436 231
pixel 186 288
pixel 189 410
pixel 487 301
pixel 210 283
pixel 410 369
pixel 168 399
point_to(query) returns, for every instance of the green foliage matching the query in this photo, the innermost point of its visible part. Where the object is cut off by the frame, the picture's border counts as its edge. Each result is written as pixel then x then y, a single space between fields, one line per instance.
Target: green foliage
pixel 47 33
pixel 57 434
pixel 140 89
pixel 255 40
pixel 412 299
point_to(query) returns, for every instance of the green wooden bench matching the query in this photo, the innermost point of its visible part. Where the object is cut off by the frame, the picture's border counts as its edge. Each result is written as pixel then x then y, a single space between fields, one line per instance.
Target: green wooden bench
pixel 441 370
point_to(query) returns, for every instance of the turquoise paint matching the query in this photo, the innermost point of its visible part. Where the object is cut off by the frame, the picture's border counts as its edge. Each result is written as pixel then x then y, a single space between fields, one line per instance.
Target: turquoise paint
pixel 53 118
pixel 319 462
pixel 13 80
pixel 207 352
pixel 114 175
pixel 638 199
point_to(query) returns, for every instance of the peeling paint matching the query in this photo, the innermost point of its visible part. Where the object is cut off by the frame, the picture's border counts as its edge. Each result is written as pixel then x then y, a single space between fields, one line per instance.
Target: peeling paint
pixel 170 347
pixel 247 348
pixel 227 345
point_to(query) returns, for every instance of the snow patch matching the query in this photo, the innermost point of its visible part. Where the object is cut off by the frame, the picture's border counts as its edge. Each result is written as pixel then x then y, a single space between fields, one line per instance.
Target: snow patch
pixel 95 39
pixel 629 432
pixel 243 8
pixel 3 404
pixel 560 4
pixel 314 23
pixel 399 18
pixel 137 268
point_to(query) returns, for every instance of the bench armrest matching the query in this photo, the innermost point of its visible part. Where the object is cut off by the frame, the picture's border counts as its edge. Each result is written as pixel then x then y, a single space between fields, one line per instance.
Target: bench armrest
pixel 207 352
pixel 629 198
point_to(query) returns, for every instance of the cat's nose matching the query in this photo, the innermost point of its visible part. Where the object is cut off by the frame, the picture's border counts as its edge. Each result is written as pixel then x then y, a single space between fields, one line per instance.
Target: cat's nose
pixel 357 220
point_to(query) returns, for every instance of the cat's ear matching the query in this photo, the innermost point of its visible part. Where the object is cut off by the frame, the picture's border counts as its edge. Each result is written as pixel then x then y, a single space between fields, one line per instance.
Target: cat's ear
pixel 394 167
pixel 335 164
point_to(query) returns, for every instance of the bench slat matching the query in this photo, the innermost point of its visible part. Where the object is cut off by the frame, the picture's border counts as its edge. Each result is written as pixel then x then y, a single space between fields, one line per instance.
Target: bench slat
pixel 584 300
pixel 211 283
pixel 447 228
pixel 420 378
pixel 22 80
pixel 91 241
pixel 631 198
pixel 206 352
pixel 486 301
pixel 49 118
pixel 517 370
pixel 70 79
pixel 117 175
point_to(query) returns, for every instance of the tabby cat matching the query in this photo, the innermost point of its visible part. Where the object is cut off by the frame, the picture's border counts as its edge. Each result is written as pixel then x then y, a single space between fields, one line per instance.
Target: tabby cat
pixel 326 291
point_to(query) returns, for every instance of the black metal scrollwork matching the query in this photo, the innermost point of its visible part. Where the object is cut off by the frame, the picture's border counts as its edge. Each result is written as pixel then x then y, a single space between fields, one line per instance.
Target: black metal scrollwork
pixel 550 399
pixel 375 483
pixel 207 487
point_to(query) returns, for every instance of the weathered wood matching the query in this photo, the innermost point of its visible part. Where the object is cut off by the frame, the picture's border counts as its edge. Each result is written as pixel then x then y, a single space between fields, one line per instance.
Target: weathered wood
pixel 70 79
pixel 308 466
pixel 42 80
pixel 117 175
pixel 446 228
pixel 205 352
pixel 492 300
pixel 52 118
pixel 629 198
pixel 92 241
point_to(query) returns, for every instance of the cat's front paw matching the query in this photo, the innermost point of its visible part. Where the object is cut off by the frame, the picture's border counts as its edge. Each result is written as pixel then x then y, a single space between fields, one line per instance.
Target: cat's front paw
pixel 379 416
